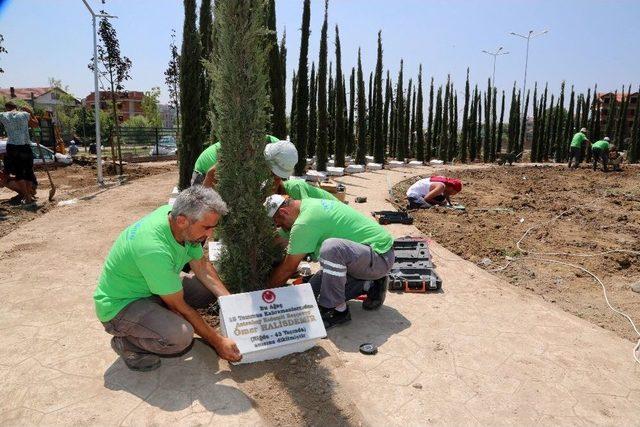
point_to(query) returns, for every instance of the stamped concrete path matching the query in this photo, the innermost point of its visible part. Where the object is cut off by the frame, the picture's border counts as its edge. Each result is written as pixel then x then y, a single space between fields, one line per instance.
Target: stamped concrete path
pixel 479 352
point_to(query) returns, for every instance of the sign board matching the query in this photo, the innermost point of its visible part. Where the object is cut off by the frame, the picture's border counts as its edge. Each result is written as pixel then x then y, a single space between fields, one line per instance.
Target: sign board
pixel 272 323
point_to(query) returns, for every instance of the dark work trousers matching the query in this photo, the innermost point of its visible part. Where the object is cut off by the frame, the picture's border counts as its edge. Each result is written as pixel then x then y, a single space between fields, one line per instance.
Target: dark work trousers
pixel 575 153
pixel 603 156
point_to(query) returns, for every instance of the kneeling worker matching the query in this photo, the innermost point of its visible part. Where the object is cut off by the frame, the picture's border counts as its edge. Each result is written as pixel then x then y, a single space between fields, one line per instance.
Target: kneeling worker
pixel 435 190
pixel 141 299
pixel 355 252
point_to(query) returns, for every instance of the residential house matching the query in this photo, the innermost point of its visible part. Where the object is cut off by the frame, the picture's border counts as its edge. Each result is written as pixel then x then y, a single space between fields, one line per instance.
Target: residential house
pixel 128 103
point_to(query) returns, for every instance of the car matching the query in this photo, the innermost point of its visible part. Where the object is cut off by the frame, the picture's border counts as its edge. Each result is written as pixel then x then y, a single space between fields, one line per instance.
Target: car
pixel 166 147
pixel 49 155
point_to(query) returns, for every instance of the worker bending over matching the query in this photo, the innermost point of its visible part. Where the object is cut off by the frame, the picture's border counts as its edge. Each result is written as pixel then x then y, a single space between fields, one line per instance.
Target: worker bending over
pixel 575 149
pixel 600 151
pixel 355 253
pixel 141 298
pixel 435 190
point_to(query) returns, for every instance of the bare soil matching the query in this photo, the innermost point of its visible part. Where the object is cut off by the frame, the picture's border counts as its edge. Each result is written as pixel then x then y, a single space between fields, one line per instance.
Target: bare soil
pixel 73 181
pixel 502 203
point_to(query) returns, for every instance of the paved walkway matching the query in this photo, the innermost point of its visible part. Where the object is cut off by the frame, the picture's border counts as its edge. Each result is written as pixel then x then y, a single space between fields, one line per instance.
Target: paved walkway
pixel 481 351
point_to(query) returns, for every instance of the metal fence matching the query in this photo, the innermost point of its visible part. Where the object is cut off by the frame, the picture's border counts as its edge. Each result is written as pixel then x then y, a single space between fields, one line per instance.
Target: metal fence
pixel 141 144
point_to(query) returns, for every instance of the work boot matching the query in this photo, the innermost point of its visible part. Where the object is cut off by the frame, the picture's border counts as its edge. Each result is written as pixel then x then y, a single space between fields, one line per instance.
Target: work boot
pixel 332 317
pixel 376 294
pixel 142 362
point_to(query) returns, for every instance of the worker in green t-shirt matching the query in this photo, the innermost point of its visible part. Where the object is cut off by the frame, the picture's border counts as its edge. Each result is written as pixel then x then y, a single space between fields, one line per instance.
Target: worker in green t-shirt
pixel 204 170
pixel 600 151
pixel 575 150
pixel 141 298
pixel 355 253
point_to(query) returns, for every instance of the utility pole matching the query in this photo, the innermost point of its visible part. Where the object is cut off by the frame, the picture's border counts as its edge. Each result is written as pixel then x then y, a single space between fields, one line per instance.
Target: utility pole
pixel 528 38
pixel 96 98
pixel 495 55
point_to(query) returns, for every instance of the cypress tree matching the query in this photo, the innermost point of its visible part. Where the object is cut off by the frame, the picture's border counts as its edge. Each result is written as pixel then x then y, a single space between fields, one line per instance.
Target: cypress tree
pixel 239 72
pixel 370 117
pixel 500 126
pixel 351 146
pixel 362 120
pixel 548 133
pixel 443 137
pixel 477 144
pixel 340 123
pixel 400 116
pixel 577 122
pixel 404 144
pixel 393 127
pixel 523 128
pixel 558 127
pixel 412 133
pixel 568 126
pixel 621 129
pixel 278 121
pixel 437 125
pixel 584 122
pixel 302 92
pixel 332 112
pixel 419 120
pixel 345 112
pixel 313 113
pixel 453 140
pixel 634 143
pixel 494 126
pixel 378 139
pixel 190 96
pixel 385 119
pixel 283 70
pixel 608 131
pixel 321 149
pixel 512 121
pixel 536 125
pixel 293 122
pixel 429 141
pixel 464 144
pixel 486 144
pixel 472 119
pixel 206 29
pixel 543 154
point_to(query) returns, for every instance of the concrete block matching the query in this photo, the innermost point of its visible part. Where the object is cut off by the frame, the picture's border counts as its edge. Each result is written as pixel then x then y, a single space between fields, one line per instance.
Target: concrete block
pixel 354 169
pixel 333 171
pixel 436 162
pixel 395 164
pixel 374 166
pixel 414 164
pixel 369 158
pixel 315 176
pixel 331 163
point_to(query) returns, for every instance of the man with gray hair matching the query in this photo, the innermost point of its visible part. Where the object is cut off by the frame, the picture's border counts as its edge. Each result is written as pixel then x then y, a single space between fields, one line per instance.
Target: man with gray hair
pixel 141 298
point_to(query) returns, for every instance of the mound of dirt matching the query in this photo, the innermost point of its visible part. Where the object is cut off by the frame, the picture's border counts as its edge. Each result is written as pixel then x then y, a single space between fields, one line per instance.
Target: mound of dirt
pixel 599 211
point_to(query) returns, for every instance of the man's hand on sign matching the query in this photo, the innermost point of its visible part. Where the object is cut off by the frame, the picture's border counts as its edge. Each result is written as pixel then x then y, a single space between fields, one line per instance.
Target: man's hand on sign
pixel 228 350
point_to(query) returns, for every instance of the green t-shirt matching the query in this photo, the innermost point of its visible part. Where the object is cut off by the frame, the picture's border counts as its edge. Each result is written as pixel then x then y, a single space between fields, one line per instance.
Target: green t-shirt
pixel 299 189
pixel 321 219
pixel 600 145
pixel 145 260
pixel 209 157
pixel 578 139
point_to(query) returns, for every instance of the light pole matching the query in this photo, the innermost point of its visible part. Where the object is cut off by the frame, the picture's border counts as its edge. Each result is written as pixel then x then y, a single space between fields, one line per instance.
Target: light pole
pixel 528 38
pixel 495 55
pixel 96 98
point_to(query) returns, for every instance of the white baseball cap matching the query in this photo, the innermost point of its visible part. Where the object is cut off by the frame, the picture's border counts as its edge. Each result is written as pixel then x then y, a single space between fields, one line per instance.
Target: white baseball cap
pixel 606 138
pixel 273 203
pixel 583 130
pixel 281 157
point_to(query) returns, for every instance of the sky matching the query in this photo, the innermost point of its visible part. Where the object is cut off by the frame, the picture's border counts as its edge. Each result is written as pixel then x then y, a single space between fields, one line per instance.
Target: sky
pixel 589 41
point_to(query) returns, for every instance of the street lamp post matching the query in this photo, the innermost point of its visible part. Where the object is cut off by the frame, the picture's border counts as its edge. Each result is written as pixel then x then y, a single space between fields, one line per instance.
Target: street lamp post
pixel 528 38
pixel 495 55
pixel 96 98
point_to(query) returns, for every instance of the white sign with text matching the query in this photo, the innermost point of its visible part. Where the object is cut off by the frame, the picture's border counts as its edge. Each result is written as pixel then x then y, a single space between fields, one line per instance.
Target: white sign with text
pixel 272 323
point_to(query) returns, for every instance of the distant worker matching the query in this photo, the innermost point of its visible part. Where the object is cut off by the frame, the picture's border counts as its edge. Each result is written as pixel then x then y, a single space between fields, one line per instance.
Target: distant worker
pixel 18 161
pixel 575 150
pixel 142 300
pixel 73 148
pixel 355 253
pixel 615 158
pixel 204 170
pixel 435 190
pixel 600 151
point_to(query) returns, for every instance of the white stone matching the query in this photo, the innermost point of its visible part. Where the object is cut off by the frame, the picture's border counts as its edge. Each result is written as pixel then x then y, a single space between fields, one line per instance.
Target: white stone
pixel 316 176
pixel 414 164
pixel 348 158
pixel 395 164
pixel 331 163
pixel 436 162
pixel 171 201
pixel 249 319
pixel 374 166
pixel 215 251
pixel 354 169
pixel 369 158
pixel 175 190
pixel 332 171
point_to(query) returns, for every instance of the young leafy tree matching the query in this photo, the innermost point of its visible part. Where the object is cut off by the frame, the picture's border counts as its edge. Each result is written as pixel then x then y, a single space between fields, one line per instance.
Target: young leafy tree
pixel 340 123
pixel 321 149
pixel 378 139
pixel 277 97
pixel 239 72
pixel 361 151
pixel 429 140
pixel 151 107
pixel 171 77
pixel 419 120
pixel 302 92
pixel 351 142
pixel 313 113
pixel 205 28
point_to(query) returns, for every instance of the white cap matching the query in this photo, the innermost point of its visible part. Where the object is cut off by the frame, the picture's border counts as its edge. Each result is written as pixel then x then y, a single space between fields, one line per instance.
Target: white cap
pixel 583 130
pixel 281 157
pixel 606 138
pixel 273 203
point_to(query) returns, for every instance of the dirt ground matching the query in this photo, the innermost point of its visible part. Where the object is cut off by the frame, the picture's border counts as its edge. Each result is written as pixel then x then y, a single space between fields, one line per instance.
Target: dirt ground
pixel 74 181
pixel 502 203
